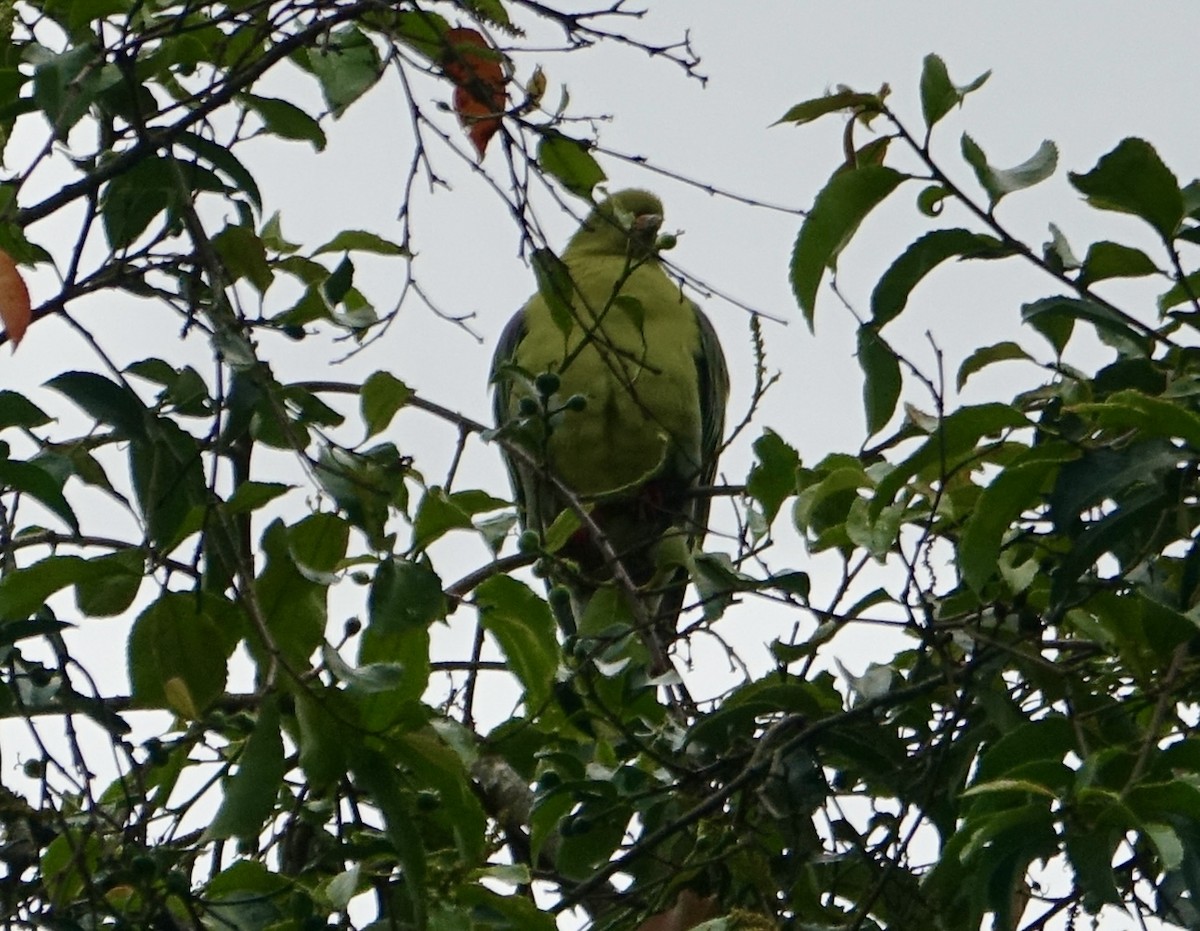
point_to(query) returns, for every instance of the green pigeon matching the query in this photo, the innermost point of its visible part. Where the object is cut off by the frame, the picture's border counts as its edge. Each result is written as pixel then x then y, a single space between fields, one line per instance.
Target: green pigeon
pixel 614 382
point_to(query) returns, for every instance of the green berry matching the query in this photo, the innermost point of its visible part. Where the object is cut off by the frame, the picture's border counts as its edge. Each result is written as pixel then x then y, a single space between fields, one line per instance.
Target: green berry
pixel 547 383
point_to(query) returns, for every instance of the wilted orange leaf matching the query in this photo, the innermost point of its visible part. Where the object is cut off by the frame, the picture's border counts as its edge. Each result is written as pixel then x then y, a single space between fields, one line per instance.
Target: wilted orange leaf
pixel 690 910
pixel 479 92
pixel 14 300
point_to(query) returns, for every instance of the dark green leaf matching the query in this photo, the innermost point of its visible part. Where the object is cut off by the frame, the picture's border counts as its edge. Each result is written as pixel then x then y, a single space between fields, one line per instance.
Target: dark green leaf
pixel 286 120
pixel 109 584
pixel 957 434
pixel 361 241
pixel 18 411
pixel 383 394
pixel 989 355
pixel 250 794
pixel 919 259
pixel 134 198
pixel 178 652
pixel 339 281
pixel 1017 489
pixel 244 256
pixel 809 110
pixel 1054 318
pixel 773 476
pixel 882 381
pixel 1112 260
pixel 224 161
pixel 836 214
pixel 106 401
pixel 1133 179
pixel 938 94
pixel 555 287
pixel 39 484
pixel 405 595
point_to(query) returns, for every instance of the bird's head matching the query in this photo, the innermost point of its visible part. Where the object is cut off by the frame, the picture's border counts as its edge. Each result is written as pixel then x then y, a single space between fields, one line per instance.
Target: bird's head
pixel 626 223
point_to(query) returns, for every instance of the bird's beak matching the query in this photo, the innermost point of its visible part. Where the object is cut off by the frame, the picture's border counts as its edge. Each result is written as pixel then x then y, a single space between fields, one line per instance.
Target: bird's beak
pixel 647 224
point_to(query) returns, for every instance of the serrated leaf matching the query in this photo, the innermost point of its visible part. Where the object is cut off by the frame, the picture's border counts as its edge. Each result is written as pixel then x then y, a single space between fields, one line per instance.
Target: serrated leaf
pixel 809 110
pixel 837 212
pixel 1133 179
pixel 989 355
pixel 361 241
pixel 920 258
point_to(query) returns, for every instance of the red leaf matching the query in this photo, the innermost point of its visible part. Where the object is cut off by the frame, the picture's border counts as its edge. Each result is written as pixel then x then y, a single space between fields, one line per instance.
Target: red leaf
pixel 14 300
pixel 479 84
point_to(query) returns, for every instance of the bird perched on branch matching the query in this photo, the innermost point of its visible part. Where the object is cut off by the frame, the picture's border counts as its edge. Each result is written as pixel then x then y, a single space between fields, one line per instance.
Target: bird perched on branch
pixel 614 385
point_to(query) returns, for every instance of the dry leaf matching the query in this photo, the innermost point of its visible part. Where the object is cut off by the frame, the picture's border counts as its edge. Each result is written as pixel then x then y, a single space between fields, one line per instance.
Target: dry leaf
pixel 479 84
pixel 15 311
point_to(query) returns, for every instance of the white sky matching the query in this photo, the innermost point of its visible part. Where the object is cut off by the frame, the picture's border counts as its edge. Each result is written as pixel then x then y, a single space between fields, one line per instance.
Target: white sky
pixel 1082 74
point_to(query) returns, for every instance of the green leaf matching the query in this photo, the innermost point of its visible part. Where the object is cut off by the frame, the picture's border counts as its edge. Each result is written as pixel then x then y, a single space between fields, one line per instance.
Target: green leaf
pixel 134 198
pixel 178 652
pixel 920 258
pixel 361 241
pixel 250 496
pixel 998 182
pixel 1106 260
pixel 837 212
pixel 1184 291
pixel 1018 488
pixel 16 410
pixel 405 595
pixel 809 110
pixel 956 435
pixel 1133 179
pixel 168 478
pixel 244 256
pixel 224 161
pixel 989 355
pixel 423 31
pixel 379 779
pixel 40 485
pixel 286 120
pixel 1150 416
pixel 938 94
pixel 523 626
pixel 773 476
pixel 1054 318
pixel 23 591
pixel 110 583
pixel 555 287
pixel 346 64
pixel 383 394
pixel 339 282
pixel 322 715
pixel 105 401
pixel 570 162
pixel 881 387
pixel 250 794
pixel 929 201
pixel 292 604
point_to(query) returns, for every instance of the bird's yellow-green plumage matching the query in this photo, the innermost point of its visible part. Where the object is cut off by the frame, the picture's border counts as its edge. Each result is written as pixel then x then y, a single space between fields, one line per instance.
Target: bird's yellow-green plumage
pixel 650 370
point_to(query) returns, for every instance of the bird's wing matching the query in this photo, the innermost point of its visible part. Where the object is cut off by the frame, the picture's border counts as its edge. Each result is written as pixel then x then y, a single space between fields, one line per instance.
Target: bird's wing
pixel 713 384
pixel 502 397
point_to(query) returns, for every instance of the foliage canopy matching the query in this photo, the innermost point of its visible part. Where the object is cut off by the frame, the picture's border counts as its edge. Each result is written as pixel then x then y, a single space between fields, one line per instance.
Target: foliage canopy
pixel 1027 754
